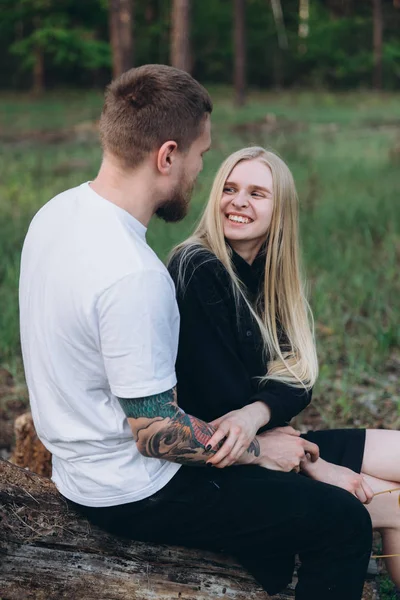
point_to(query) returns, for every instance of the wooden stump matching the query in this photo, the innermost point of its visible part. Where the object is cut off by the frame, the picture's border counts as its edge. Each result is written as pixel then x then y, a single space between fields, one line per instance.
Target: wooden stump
pixel 29 451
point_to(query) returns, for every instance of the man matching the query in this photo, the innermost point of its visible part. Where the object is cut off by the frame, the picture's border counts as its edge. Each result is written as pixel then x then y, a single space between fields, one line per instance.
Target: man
pixel 99 331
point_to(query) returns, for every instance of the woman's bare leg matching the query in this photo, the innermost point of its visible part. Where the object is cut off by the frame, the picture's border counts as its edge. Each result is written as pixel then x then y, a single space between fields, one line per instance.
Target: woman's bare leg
pixel 382 454
pixel 385 515
pixel 381 469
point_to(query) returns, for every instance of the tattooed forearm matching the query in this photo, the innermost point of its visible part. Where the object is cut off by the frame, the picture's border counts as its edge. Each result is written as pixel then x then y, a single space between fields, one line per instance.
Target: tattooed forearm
pixel 163 430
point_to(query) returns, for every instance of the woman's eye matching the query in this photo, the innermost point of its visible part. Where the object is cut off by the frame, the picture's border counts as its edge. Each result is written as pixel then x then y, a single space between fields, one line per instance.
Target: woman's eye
pixel 228 190
pixel 258 194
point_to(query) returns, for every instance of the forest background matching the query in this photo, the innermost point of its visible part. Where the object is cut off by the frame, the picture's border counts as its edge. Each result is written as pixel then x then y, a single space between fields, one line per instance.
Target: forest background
pixel 316 80
pixel 329 43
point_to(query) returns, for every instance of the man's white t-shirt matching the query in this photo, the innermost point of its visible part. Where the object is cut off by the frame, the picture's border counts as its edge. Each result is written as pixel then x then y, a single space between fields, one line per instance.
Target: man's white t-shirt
pixel 99 319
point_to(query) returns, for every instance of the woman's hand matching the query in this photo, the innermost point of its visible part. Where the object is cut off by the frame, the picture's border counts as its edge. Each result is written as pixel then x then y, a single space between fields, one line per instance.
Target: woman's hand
pixel 238 428
pixel 339 476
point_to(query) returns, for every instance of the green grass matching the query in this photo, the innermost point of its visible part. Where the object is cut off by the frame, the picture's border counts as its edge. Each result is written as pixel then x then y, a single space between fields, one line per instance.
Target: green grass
pixel 344 151
pixel 387 590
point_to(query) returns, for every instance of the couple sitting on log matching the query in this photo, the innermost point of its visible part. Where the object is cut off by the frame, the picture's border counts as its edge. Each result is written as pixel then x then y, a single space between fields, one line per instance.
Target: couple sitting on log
pixel 188 443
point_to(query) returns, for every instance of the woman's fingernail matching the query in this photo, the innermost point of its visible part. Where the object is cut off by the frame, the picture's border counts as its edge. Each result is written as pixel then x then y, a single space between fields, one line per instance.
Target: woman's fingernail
pixel 208 448
pixel 209 464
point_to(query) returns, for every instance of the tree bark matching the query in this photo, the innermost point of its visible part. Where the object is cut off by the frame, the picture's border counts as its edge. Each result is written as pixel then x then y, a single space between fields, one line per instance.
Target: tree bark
pixel 377 43
pixel 29 451
pixel 121 35
pixel 180 44
pixel 239 37
pixel 47 551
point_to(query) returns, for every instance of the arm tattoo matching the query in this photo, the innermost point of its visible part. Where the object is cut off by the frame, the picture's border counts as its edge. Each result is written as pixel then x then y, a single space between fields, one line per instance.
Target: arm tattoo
pixel 182 438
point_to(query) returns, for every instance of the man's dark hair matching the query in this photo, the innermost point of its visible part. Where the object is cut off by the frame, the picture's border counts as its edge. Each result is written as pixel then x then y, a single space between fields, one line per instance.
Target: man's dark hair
pixel 148 106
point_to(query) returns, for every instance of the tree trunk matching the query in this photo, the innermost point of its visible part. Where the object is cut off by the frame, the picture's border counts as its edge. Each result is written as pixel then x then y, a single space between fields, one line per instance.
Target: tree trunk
pixel 340 8
pixel 279 56
pixel 240 52
pixel 180 45
pixel 38 65
pixel 38 73
pixel 279 24
pixel 150 12
pixel 304 25
pixel 278 68
pixel 377 44
pixel 121 24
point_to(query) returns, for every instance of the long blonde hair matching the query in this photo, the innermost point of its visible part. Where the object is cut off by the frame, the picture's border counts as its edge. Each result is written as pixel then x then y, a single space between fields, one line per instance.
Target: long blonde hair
pixel 283 303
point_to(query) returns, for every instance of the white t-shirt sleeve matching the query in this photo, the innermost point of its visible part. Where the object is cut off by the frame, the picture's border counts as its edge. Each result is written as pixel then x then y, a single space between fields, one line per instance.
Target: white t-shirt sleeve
pixel 139 327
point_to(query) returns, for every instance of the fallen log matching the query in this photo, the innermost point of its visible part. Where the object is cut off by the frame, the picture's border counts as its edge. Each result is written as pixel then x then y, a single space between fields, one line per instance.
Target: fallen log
pixel 48 552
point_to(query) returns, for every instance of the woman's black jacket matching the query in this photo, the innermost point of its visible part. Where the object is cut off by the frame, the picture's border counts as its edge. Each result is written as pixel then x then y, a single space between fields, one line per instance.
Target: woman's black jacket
pixel 220 352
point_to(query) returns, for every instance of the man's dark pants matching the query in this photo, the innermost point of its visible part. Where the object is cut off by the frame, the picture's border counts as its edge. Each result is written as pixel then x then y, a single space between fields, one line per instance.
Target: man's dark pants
pixel 261 517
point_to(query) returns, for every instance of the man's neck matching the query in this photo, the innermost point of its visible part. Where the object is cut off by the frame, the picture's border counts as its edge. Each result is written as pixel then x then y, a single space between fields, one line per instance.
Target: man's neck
pixel 131 191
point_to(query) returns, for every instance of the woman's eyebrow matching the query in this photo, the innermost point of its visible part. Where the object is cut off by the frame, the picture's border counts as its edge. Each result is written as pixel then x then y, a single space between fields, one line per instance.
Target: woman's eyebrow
pixel 260 187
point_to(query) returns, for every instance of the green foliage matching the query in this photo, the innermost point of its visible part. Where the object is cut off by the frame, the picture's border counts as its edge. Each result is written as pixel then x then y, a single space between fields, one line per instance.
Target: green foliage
pixel 64 31
pixel 64 46
pixel 74 37
pixel 387 590
pixel 211 40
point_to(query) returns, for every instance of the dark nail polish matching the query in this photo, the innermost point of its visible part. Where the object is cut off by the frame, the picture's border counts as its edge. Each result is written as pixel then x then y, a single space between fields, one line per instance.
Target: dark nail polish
pixel 208 448
pixel 209 464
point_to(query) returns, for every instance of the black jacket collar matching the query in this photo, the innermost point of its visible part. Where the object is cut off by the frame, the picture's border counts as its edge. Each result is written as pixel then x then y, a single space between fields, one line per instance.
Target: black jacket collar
pixel 252 276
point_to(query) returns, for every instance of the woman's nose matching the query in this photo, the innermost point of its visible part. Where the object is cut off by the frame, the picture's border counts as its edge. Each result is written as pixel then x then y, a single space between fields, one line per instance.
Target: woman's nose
pixel 240 200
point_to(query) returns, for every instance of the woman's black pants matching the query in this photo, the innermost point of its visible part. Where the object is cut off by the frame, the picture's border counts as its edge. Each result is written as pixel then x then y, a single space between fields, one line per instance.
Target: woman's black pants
pixel 261 517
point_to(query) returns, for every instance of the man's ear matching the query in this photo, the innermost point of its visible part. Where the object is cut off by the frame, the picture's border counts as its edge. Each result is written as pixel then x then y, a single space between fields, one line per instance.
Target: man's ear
pixel 166 156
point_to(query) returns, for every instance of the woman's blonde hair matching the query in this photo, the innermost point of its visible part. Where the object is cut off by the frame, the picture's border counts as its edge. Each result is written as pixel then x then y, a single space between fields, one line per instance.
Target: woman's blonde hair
pixel 282 305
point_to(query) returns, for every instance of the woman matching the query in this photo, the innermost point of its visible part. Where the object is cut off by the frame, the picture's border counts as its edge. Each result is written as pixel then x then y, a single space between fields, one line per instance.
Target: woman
pixel 247 359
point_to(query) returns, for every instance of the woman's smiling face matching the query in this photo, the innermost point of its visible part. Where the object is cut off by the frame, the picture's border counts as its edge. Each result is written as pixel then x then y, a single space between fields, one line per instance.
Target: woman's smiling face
pixel 247 206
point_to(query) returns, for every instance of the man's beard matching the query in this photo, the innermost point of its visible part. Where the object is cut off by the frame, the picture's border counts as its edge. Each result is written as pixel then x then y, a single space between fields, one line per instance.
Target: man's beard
pixel 176 207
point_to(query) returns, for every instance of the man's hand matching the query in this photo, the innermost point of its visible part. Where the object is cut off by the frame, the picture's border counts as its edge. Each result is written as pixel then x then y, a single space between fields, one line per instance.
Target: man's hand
pixel 282 449
pixel 238 428
pixel 339 476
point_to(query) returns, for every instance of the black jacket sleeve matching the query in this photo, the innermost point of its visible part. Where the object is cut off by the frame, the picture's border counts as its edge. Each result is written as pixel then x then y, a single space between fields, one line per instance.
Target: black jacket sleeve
pixel 283 400
pixel 212 376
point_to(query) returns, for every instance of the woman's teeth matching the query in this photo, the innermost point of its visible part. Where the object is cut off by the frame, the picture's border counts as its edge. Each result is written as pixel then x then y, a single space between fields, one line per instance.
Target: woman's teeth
pixel 238 219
